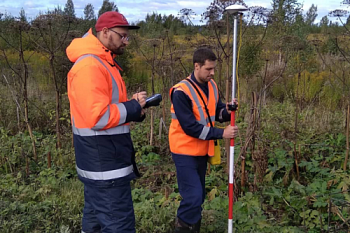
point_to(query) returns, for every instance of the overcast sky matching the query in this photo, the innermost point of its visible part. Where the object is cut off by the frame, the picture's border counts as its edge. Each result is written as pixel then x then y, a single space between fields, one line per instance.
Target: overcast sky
pixel 136 10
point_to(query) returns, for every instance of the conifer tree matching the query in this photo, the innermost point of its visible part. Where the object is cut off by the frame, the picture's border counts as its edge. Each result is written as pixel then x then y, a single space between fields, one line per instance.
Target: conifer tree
pixel 311 15
pixel 69 9
pixel 107 6
pixel 89 12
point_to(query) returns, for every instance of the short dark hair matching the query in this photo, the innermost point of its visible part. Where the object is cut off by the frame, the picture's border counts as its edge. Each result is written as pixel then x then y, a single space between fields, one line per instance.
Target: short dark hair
pixel 202 54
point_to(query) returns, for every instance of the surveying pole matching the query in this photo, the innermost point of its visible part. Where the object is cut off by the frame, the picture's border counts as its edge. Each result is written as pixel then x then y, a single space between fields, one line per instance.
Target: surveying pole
pixel 234 10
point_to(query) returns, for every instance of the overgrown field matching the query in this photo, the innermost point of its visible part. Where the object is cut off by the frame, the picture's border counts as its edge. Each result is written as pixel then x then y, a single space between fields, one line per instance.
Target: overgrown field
pixel 309 197
pixel 291 156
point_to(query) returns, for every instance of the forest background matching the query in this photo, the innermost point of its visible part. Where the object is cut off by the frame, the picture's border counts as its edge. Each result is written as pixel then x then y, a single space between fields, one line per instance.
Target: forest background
pixel 291 156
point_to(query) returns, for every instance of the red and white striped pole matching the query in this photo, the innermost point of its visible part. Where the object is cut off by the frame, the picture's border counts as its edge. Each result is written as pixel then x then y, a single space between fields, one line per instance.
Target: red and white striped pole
pixel 233 9
pixel 231 178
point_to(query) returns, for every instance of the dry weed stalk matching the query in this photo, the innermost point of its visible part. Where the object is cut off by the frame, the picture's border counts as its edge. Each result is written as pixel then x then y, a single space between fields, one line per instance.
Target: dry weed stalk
pixel 258 156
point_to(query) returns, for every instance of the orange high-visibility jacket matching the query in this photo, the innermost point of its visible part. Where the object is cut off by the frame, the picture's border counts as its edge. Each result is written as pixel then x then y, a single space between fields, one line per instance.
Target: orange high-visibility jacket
pixel 100 112
pixel 91 93
pixel 179 141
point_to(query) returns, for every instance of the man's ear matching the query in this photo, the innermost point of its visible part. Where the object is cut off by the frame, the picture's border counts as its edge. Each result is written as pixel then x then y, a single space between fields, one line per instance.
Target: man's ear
pixel 196 66
pixel 104 32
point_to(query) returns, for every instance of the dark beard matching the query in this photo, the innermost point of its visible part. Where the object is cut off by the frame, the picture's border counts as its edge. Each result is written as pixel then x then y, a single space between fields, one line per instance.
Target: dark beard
pixel 116 51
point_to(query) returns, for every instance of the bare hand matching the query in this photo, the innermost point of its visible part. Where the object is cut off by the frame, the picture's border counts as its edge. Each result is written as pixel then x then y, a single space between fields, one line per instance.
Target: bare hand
pixel 140 97
pixel 230 132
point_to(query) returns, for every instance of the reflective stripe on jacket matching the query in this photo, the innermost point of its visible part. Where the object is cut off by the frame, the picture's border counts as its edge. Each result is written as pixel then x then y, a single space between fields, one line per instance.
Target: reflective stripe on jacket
pixel 100 112
pixel 179 141
pixel 117 96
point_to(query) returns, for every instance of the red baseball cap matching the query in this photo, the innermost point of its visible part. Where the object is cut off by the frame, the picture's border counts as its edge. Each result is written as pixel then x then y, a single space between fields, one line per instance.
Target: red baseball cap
pixel 112 19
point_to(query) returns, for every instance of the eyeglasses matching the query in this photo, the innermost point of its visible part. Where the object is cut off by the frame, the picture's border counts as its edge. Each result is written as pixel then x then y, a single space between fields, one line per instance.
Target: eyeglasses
pixel 122 37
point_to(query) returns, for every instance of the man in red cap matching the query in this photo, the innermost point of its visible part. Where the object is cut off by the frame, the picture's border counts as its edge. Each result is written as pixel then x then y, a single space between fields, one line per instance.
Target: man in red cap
pixel 100 116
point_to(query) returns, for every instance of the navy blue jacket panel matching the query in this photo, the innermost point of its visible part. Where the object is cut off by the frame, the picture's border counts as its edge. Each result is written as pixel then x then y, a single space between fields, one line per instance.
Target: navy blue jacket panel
pixel 104 153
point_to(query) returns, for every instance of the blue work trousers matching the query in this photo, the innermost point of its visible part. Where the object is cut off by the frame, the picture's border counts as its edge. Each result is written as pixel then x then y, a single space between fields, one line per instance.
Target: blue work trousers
pixel 108 209
pixel 190 171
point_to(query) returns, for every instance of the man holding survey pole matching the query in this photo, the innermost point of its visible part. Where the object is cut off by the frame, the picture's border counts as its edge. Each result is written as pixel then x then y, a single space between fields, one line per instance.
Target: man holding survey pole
pixel 196 105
